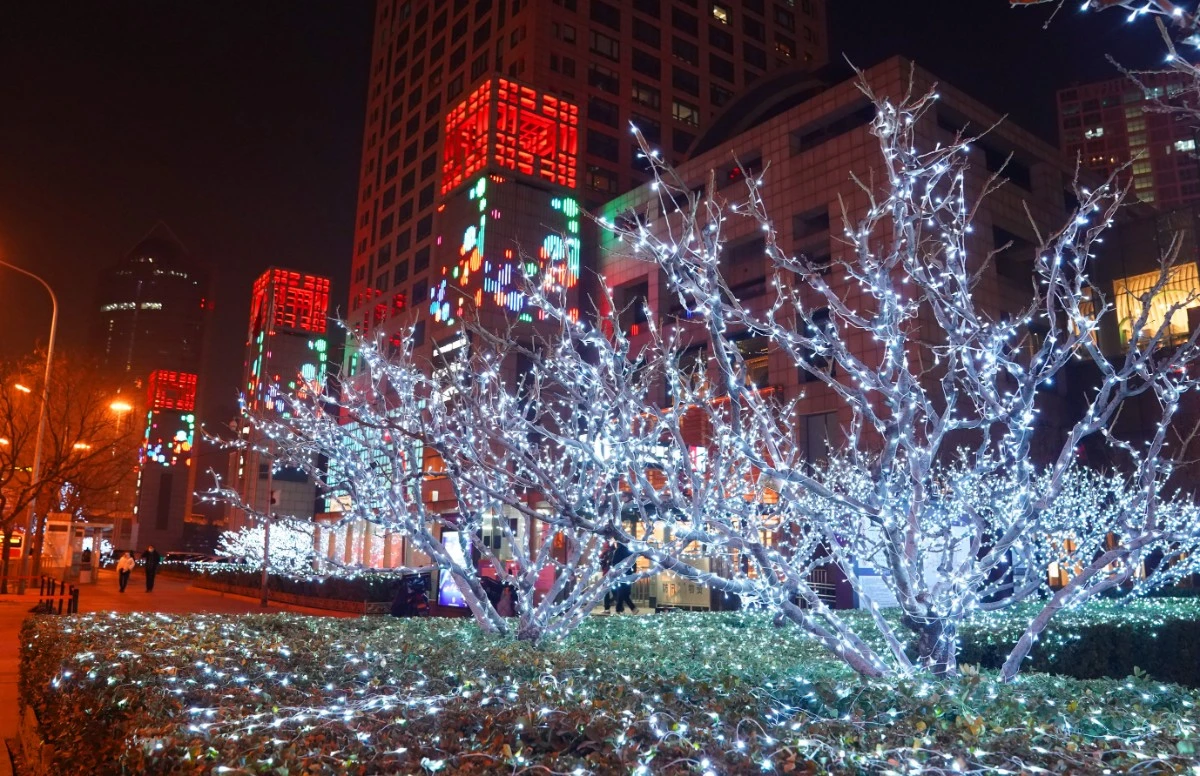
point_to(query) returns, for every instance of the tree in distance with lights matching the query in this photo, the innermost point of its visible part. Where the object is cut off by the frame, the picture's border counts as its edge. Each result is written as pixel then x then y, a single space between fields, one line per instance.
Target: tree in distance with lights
pixel 291 549
pixel 934 492
pixel 403 429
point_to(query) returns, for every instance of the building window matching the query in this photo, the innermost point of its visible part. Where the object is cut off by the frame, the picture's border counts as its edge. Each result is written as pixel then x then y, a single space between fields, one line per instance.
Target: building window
pixel 605 46
pixel 720 67
pixel 650 128
pixel 428 166
pixel 601 179
pixel 719 95
pixel 785 18
pixel 455 87
pixel 403 241
pixel 646 32
pixel 646 95
pixel 755 56
pixel 685 112
pixel 685 50
pixel 479 66
pixel 424 227
pixel 603 112
pixel 425 199
pixel 564 32
pixel 606 14
pixel 721 13
pixel 685 81
pixel 720 39
pixel 602 145
pixel 685 22
pixel 420 292
pixel 648 7
pixel 647 64
pixel 604 79
pixel 400 273
pixel 1181 292
pixel 754 28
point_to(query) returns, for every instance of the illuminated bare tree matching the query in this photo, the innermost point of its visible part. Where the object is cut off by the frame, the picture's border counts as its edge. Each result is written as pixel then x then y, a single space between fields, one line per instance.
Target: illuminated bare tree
pixel 88 452
pixel 936 485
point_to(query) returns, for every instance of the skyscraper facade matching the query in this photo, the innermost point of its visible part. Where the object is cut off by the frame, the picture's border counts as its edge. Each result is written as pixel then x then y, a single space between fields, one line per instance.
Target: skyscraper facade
pixel 287 351
pixel 152 310
pixel 441 72
pixel 1114 123
pixel 148 332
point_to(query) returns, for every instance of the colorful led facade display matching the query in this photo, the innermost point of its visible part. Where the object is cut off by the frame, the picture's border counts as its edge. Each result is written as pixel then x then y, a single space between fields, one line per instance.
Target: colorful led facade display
pixel 169 437
pixel 509 232
pixel 285 359
pixel 514 127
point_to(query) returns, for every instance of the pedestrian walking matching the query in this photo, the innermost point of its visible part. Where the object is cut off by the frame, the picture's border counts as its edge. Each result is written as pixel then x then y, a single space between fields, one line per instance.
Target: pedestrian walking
pixel 124 569
pixel 151 558
pixel 606 556
pixel 625 588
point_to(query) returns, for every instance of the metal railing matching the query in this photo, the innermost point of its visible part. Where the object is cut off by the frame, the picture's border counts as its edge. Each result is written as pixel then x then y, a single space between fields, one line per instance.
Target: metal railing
pixel 54 596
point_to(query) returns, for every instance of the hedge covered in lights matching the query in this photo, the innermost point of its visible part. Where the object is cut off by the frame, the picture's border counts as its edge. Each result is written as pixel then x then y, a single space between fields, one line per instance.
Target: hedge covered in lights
pixel 683 693
pixel 369 587
pixel 1108 638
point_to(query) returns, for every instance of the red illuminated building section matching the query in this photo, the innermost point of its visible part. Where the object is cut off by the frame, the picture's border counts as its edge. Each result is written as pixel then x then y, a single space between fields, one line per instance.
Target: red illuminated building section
pixel 301 301
pixel 171 391
pixel 515 127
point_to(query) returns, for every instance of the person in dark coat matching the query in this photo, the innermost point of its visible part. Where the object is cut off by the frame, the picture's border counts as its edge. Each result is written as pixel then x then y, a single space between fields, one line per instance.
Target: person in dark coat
pixel 151 558
pixel 625 588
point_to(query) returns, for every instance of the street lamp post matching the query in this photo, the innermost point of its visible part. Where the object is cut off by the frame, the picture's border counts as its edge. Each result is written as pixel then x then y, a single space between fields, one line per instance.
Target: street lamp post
pixel 32 523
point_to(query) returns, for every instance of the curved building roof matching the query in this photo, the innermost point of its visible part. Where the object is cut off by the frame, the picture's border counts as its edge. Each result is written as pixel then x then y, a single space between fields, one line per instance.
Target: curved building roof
pixel 774 94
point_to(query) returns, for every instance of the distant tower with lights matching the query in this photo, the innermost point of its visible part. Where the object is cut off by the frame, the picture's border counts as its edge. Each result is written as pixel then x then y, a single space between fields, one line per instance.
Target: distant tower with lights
pixel 149 326
pixel 152 310
pixel 287 354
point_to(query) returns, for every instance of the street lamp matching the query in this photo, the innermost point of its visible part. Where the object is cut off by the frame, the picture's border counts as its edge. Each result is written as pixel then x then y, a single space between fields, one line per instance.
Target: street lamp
pixel 81 446
pixel 22 388
pixel 120 407
pixel 32 522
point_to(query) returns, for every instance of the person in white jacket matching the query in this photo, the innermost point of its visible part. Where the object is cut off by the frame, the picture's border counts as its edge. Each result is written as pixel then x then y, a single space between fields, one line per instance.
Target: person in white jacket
pixel 124 569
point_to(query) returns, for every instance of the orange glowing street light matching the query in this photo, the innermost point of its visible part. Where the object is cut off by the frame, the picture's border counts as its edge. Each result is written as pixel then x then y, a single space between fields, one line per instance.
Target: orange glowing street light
pixel 81 446
pixel 22 388
pixel 120 406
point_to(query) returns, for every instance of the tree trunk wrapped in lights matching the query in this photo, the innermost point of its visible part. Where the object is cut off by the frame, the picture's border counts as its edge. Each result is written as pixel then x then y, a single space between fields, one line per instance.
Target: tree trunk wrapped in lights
pixel 936 485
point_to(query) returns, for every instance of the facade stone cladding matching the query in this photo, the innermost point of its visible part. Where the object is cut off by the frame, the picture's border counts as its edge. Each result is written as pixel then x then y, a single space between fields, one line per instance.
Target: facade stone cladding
pixel 805 183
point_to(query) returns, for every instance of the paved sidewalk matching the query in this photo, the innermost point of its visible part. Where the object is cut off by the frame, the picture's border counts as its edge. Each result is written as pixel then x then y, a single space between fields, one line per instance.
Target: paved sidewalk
pixel 171 595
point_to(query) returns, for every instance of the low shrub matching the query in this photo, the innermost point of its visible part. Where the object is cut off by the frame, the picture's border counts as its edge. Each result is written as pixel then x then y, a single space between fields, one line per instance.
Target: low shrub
pixel 1159 637
pixel 682 693
pixel 368 587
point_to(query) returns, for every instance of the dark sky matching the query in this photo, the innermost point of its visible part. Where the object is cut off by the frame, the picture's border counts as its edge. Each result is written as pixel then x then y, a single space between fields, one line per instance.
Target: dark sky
pixel 238 122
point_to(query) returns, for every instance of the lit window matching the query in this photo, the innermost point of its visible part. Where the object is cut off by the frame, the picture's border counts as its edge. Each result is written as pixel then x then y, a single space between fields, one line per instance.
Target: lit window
pixel 1181 291
pixel 688 114
pixel 1185 145
pixel 1094 132
pixel 720 13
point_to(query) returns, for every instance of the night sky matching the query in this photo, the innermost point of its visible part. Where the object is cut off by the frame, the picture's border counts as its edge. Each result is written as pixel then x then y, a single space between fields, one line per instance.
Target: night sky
pixel 238 123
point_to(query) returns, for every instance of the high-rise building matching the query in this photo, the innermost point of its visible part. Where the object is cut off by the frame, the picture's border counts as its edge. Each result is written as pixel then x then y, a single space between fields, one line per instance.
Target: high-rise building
pixel 148 331
pixel 464 84
pixel 152 310
pixel 1110 124
pixel 287 351
pixel 166 476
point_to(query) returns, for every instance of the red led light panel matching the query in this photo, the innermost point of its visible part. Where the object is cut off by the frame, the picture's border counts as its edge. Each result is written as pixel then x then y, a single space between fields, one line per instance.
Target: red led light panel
pixel 167 390
pixel 465 151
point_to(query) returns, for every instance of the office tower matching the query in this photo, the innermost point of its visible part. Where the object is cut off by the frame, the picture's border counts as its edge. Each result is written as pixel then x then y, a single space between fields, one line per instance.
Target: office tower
pixel 432 64
pixel 152 310
pixel 287 351
pixel 148 333
pixel 1110 124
